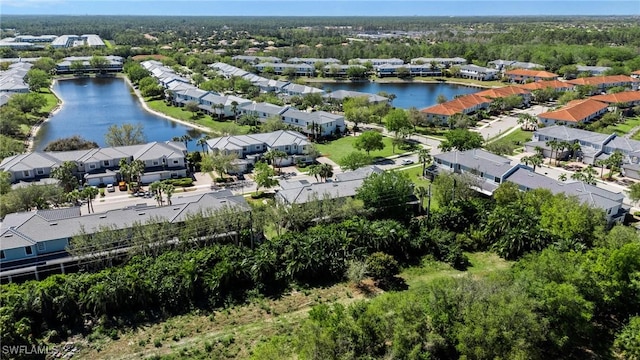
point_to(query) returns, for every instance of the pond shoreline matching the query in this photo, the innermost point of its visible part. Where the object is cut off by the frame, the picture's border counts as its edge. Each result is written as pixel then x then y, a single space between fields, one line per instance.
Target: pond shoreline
pixel 35 129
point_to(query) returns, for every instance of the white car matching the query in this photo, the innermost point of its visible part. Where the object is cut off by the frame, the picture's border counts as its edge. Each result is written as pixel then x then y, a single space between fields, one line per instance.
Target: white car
pixel 111 188
pixel 406 162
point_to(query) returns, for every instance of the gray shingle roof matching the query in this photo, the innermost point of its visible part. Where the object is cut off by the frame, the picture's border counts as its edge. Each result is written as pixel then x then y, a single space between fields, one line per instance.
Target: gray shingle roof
pixel 589 194
pixel 359 174
pixel 34 227
pixel 320 191
pixel 478 159
pixel 319 117
pixel 572 134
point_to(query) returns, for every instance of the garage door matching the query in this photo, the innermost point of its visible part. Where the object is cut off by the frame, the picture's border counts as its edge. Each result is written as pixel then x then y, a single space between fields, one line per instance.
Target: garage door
pixel 149 178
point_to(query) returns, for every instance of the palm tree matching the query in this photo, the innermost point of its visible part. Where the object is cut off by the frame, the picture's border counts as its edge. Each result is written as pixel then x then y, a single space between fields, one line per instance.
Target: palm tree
pixel 168 190
pixel 602 163
pixel 562 177
pixel 218 111
pixel 125 170
pixel 314 170
pixel 326 171
pixel 185 139
pixel 202 141
pixel 137 169
pixel 562 146
pixel 275 156
pixel 575 148
pixel 421 192
pixel 614 161
pixel 527 121
pixel 234 110
pixel 156 188
pixel 553 144
pixel 424 156
pixel 534 160
pixel 90 193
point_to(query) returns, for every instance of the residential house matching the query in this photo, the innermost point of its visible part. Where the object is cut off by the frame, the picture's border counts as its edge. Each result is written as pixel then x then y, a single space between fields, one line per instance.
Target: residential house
pixel 602 83
pixel 503 65
pixel 114 64
pixel 610 202
pixel 342 95
pixel 476 72
pixel 292 89
pixel 337 70
pixel 622 99
pixel 41 236
pixel 315 123
pixel 12 79
pixel 635 74
pixel 345 185
pixel 251 147
pixel 406 70
pixel 556 85
pixel 506 91
pixel 523 75
pixel 256 59
pixel 300 69
pixel 40 39
pixel 100 166
pixel 378 62
pixel 440 62
pixel 262 111
pixel 579 111
pixel 466 104
pixel 313 61
pixel 488 169
pixel 593 70
pixel 65 41
pixel 591 143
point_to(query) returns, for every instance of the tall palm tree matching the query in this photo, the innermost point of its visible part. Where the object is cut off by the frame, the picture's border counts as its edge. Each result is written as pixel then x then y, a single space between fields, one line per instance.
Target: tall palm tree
pixel 562 177
pixel 553 144
pixel 562 146
pixel 234 110
pixel 90 193
pixel 202 141
pixel 185 139
pixel 424 156
pixel 137 169
pixel 602 163
pixel 275 156
pixel 421 192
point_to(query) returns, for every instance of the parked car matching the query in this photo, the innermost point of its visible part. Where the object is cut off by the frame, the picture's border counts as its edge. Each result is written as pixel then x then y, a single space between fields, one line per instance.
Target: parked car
pixel 406 162
pixel 111 188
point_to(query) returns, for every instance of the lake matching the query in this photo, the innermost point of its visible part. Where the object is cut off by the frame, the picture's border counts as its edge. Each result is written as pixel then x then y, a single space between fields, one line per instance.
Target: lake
pixel 419 95
pixel 92 105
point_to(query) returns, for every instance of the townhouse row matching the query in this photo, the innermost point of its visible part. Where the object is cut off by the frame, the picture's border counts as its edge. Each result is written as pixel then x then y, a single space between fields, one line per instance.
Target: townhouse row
pixel 317 123
pixel 101 166
pixel 593 146
pixel 489 171
pixel 575 112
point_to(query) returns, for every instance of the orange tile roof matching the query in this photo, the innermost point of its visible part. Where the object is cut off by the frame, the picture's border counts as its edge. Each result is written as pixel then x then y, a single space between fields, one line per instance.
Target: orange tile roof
pixel 503 92
pixel 457 105
pixel 621 97
pixel 532 73
pixel 597 80
pixel 575 111
pixel 637 72
pixel 539 85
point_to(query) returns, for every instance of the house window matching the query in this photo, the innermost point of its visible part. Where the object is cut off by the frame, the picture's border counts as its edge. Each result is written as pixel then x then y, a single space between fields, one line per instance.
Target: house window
pixel 497 179
pixel 40 172
pixel 41 246
pixel 296 121
pixel 244 148
pixel 92 166
pixel 156 163
pixel 2 254
pixel 25 173
pixel 286 148
pixel 105 163
pixel 175 162
pixel 28 250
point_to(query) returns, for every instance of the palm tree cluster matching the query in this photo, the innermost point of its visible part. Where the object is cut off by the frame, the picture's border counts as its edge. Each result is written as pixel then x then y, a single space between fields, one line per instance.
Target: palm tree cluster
pixel 158 187
pixel 560 146
pixel 322 171
pixel 587 175
pixel 613 162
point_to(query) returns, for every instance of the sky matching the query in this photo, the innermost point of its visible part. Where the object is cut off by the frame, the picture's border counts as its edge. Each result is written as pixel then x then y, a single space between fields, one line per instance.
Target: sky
pixel 320 7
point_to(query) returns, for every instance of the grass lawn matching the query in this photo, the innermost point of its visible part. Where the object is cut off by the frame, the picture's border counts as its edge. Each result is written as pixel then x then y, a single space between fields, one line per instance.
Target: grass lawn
pixel 622 128
pixel 52 101
pixel 337 149
pixel 518 137
pixel 415 175
pixel 436 132
pixel 204 120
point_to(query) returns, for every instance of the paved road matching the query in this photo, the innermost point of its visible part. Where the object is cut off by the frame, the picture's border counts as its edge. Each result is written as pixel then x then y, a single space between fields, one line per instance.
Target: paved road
pixel 504 124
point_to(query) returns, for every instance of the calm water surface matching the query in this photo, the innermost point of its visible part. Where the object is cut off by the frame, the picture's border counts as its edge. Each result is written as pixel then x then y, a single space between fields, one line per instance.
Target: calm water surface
pixel 92 105
pixel 419 95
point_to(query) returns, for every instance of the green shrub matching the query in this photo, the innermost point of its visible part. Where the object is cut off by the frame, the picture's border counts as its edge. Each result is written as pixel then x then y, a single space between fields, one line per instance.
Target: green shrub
pixel 257 195
pixel 183 182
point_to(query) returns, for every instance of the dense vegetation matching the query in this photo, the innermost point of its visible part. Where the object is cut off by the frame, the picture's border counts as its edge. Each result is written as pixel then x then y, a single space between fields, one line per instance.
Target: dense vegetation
pixel 575 296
